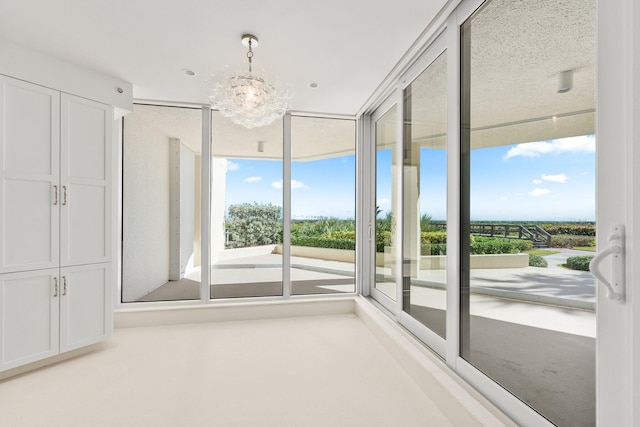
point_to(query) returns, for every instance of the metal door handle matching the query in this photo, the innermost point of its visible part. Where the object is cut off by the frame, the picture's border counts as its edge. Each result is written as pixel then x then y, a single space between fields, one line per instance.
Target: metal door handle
pixel 55 287
pixel 55 195
pixel 615 290
pixel 64 195
pixel 64 285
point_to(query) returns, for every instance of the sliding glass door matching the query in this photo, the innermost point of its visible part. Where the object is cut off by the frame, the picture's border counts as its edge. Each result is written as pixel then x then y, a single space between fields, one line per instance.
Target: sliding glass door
pixel 528 203
pixel 386 231
pixel 494 277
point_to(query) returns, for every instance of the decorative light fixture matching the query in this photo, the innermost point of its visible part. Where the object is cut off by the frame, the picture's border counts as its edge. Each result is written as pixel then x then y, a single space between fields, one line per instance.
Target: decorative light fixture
pixel 246 98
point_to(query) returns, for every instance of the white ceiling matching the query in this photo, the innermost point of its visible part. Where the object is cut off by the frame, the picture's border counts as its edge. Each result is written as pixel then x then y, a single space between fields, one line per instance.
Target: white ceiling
pixel 347 47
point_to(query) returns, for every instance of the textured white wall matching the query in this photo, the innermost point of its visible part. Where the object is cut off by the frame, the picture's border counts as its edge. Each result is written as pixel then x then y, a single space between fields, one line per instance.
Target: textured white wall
pixel 218 205
pixel 145 217
pixel 187 209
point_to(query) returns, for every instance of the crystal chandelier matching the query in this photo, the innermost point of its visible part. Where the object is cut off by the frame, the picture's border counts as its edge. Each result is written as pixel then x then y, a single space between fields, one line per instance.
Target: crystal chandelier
pixel 246 98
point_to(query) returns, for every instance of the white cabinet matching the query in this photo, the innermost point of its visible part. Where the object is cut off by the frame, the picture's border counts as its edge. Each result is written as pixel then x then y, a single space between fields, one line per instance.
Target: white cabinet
pixel 85 181
pixel 30 317
pixel 85 309
pixel 55 177
pixel 55 222
pixel 45 312
pixel 30 175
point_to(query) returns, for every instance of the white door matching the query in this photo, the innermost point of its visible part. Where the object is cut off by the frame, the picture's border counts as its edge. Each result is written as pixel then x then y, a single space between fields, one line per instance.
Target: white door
pixel 29 303
pixel 29 188
pixel 85 169
pixel 85 305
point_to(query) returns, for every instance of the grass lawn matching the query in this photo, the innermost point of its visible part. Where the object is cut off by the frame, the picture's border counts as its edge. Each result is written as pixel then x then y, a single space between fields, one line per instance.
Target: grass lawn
pixel 542 252
pixel 586 248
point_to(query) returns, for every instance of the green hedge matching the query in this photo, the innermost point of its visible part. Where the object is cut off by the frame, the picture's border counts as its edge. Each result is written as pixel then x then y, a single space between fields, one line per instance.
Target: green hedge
pixel 571 241
pixel 579 262
pixel 572 229
pixel 323 242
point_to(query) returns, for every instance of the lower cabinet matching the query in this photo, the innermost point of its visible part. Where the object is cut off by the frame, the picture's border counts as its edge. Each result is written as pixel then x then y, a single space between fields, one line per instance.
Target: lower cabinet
pixel 46 312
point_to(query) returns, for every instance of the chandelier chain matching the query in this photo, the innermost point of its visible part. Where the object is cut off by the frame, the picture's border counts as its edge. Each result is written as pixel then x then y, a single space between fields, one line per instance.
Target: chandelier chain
pixel 250 55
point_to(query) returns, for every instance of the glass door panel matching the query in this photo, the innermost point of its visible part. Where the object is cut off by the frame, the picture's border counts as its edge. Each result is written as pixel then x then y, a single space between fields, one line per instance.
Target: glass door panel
pixel 386 237
pixel 246 209
pixel 323 195
pixel 161 204
pixel 425 197
pixel 528 203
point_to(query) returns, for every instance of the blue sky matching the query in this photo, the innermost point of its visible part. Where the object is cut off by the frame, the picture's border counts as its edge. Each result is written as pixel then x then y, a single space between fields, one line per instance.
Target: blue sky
pixel 320 188
pixel 546 181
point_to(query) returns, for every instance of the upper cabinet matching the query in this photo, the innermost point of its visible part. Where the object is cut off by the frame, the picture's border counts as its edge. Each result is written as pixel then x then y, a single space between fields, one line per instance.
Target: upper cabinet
pixel 55 183
pixel 85 180
pixel 30 175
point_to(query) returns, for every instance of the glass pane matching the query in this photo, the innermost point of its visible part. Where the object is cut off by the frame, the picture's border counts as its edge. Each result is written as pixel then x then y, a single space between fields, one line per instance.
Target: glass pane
pixel 246 209
pixel 161 204
pixel 386 183
pixel 528 202
pixel 323 193
pixel 425 197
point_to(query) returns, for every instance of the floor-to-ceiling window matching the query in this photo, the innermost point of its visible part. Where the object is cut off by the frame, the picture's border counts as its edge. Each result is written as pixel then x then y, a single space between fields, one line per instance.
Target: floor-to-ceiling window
pixel 163 232
pixel 386 198
pixel 160 206
pixel 323 211
pixel 528 202
pixel 246 209
pixel 425 197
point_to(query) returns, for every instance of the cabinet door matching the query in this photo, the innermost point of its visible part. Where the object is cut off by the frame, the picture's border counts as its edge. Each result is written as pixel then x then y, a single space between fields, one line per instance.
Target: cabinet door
pixel 85 179
pixel 29 307
pixel 29 163
pixel 85 305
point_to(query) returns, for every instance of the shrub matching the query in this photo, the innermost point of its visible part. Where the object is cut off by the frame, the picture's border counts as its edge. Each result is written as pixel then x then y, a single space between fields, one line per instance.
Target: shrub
pixel 579 262
pixel 498 245
pixel 321 226
pixel 570 241
pixel 254 225
pixel 434 236
pixel 572 229
pixel 323 242
pixel 340 235
pixel 537 261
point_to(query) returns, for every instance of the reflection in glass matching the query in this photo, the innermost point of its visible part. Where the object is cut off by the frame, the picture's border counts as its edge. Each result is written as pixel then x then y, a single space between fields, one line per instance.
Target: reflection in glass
pixel 246 209
pixel 322 205
pixel 386 182
pixel 528 203
pixel 425 197
pixel 161 199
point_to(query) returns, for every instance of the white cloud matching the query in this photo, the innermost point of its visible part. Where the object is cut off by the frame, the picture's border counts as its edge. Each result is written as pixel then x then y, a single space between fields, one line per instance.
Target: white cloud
pixel 232 166
pixel 537 192
pixel 584 144
pixel 253 179
pixel 383 202
pixel 504 198
pixel 561 178
pixel 295 185
pixel 537 181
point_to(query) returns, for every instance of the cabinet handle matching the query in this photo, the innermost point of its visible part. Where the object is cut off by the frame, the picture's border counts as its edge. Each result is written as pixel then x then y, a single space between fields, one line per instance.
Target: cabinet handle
pixel 64 195
pixel 64 285
pixel 55 287
pixel 55 195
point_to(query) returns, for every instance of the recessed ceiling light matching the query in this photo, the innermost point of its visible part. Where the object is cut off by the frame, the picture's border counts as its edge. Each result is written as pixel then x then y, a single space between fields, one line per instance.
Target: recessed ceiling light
pixel 313 85
pixel 189 72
